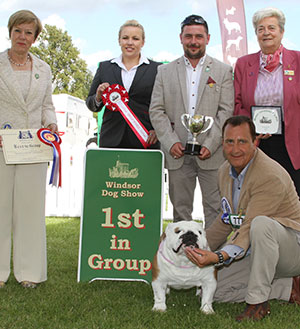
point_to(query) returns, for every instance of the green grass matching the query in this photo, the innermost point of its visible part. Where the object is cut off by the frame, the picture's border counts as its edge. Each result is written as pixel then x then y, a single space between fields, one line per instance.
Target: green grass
pixel 61 302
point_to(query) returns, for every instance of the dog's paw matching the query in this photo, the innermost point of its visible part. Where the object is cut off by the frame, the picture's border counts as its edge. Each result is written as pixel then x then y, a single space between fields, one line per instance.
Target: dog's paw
pixel 159 307
pixel 207 309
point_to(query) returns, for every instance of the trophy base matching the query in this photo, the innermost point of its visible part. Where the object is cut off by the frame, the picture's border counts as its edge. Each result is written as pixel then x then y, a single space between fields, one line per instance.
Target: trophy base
pixel 192 149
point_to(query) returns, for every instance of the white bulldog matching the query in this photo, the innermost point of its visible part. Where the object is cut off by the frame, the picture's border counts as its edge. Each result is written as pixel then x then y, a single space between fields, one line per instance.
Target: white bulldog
pixel 172 268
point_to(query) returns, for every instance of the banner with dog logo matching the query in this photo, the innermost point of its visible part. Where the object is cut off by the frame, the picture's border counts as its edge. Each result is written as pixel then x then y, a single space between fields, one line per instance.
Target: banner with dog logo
pixel 121 216
pixel 233 30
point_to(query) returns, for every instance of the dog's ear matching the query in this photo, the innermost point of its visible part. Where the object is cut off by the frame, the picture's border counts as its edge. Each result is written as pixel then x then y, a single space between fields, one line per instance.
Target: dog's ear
pixel 162 237
pixel 168 228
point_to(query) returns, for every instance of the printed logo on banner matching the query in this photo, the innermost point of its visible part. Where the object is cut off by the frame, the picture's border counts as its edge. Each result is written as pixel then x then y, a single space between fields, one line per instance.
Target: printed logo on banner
pixel 121 170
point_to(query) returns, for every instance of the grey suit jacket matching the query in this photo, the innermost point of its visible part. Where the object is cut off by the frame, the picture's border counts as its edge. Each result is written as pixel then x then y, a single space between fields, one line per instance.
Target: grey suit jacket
pixel 170 100
pixel 38 109
pixel 267 190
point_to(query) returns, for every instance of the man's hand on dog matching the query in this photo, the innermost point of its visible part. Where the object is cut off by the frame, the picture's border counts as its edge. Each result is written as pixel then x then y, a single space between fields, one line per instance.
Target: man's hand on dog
pixel 202 257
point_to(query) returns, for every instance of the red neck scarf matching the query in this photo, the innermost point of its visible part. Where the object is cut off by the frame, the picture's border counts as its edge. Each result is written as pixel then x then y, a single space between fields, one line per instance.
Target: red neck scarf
pixel 272 60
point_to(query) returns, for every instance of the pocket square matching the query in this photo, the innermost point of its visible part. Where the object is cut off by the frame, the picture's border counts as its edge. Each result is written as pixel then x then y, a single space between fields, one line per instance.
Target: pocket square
pixel 211 82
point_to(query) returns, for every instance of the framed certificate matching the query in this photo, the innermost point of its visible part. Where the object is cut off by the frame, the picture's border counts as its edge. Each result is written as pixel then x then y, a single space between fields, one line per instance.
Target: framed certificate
pixel 22 146
pixel 267 119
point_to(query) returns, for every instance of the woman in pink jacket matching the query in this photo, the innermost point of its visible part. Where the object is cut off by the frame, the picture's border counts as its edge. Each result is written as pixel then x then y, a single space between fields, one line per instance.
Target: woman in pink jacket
pixel 271 77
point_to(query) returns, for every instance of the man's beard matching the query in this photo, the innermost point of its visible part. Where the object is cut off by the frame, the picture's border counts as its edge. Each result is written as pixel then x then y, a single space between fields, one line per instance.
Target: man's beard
pixel 200 53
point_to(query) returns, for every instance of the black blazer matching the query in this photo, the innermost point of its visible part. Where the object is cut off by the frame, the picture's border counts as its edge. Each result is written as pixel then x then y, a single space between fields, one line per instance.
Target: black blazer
pixel 115 132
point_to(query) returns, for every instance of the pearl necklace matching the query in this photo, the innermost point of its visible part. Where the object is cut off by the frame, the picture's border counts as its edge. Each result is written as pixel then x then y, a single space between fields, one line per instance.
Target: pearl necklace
pixel 17 64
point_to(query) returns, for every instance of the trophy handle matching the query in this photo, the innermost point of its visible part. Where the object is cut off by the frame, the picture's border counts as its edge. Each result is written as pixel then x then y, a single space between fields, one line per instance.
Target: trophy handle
pixel 184 119
pixel 211 121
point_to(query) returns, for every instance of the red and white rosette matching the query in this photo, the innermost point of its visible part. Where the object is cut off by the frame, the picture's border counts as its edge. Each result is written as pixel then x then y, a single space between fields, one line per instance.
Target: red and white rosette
pixel 52 139
pixel 115 98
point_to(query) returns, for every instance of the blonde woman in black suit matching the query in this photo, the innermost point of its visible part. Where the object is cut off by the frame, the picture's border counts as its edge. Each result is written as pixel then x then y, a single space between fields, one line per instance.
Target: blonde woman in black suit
pixel 136 74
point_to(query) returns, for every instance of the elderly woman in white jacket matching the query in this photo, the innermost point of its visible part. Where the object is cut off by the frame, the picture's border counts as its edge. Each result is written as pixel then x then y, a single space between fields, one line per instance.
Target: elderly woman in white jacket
pixel 26 102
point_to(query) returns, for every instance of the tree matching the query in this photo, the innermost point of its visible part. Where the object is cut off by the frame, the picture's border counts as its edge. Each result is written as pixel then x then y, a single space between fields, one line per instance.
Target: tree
pixel 69 72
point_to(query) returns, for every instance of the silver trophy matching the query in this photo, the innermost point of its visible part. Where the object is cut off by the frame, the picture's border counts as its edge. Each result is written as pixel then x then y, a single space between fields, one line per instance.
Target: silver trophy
pixel 195 125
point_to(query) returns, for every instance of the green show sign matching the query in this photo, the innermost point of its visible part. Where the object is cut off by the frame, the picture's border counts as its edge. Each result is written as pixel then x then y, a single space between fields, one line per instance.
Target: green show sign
pixel 121 217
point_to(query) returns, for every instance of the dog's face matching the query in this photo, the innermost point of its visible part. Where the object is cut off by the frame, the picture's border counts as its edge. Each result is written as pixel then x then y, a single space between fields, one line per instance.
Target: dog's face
pixel 185 233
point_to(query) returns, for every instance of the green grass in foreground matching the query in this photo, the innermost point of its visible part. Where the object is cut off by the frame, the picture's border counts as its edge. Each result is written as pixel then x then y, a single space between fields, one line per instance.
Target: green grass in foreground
pixel 61 302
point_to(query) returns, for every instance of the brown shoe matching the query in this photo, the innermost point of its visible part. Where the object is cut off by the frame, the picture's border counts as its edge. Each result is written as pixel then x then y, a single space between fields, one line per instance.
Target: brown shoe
pixel 254 312
pixel 2 284
pixel 295 293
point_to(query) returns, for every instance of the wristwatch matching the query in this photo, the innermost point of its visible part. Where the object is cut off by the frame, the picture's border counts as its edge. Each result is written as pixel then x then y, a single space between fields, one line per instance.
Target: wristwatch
pixel 220 259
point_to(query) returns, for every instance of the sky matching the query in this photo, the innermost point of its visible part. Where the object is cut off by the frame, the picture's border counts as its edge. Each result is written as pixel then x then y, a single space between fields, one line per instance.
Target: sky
pixel 94 24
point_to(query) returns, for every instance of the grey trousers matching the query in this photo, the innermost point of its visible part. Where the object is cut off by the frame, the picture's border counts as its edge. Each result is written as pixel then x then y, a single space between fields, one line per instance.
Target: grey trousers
pixel 182 184
pixel 265 274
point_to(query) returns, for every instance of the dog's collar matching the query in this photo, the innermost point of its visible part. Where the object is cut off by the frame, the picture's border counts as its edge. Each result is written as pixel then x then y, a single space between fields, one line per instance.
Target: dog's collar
pixel 167 259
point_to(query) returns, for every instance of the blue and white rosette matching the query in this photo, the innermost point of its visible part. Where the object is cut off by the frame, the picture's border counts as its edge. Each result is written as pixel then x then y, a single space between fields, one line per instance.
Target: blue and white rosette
pixel 226 210
pixel 52 139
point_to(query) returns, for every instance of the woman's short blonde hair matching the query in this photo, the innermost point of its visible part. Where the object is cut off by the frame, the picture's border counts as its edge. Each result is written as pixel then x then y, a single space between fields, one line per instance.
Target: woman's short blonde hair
pixel 269 12
pixel 134 23
pixel 24 16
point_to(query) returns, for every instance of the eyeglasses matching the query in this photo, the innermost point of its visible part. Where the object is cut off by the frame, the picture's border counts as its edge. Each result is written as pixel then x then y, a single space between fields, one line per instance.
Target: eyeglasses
pixel 194 19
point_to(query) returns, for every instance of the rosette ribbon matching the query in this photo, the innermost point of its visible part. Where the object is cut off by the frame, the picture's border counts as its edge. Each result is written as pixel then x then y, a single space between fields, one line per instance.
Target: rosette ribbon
pixel 115 98
pixel 47 137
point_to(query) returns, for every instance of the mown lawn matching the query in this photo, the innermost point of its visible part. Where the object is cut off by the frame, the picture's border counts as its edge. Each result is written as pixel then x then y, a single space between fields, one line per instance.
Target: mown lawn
pixel 61 302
